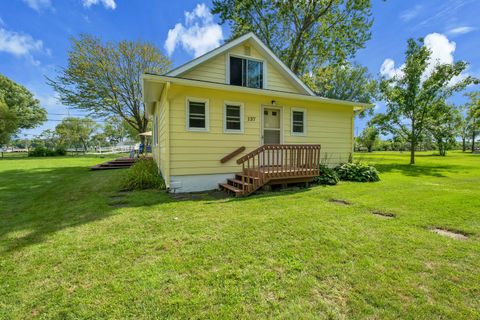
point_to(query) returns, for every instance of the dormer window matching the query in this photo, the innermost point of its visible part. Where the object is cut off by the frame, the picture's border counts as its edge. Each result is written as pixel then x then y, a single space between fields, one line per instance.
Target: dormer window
pixel 246 72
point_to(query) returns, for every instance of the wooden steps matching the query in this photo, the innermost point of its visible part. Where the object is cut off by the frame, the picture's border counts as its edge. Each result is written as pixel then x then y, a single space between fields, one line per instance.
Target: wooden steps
pixel 120 163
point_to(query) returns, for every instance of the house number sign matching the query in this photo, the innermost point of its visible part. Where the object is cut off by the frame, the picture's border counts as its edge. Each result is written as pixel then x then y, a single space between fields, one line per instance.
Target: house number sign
pixel 251 119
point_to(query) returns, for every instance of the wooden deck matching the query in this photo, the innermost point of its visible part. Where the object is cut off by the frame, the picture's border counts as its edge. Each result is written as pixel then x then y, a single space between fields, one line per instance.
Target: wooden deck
pixel 271 164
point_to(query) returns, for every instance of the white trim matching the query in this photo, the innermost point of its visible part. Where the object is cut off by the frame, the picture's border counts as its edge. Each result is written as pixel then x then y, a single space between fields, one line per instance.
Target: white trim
pixel 241 56
pixel 298 134
pixel 187 114
pixel 261 92
pixel 269 55
pixel 242 118
pixel 262 109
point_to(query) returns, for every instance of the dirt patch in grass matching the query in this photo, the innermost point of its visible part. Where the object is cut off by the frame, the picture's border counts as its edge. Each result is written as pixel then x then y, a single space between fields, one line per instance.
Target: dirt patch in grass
pixel 118 204
pixel 381 214
pixel 455 234
pixel 340 201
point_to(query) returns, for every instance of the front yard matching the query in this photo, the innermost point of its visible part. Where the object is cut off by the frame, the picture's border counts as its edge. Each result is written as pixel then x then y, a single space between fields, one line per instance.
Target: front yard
pixel 72 246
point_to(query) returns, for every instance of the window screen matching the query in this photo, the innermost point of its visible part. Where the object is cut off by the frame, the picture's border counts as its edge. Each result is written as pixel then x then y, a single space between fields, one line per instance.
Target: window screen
pixel 196 115
pixel 233 117
pixel 298 122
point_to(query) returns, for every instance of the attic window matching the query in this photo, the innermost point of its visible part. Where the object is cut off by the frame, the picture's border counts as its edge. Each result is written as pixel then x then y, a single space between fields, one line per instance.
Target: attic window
pixel 246 72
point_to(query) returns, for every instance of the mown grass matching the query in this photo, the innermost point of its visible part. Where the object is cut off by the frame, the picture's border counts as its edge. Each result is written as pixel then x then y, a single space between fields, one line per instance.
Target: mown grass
pixel 71 246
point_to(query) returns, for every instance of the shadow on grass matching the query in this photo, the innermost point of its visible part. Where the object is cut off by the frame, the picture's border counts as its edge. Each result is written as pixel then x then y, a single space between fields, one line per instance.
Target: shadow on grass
pixel 418 170
pixel 39 202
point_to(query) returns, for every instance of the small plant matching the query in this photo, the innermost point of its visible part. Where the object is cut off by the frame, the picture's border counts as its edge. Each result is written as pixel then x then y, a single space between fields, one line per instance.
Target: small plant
pixel 41 151
pixel 143 175
pixel 357 171
pixel 327 176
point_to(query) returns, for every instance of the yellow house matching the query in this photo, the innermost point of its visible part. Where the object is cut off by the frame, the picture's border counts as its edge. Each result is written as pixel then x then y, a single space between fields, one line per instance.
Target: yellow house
pixel 240 118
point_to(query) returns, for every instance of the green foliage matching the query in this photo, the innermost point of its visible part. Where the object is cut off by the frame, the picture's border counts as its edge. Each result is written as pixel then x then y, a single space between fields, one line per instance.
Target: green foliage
pixel 104 79
pixel 76 132
pixel 473 117
pixel 369 137
pixel 328 176
pixel 356 171
pixel 41 151
pixel 413 96
pixel 304 34
pixel 143 175
pixel 350 82
pixel 444 126
pixel 18 109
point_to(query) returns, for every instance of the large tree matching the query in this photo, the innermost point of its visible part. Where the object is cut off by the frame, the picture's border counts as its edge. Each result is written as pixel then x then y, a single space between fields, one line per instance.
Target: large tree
pixel 350 82
pixel 304 34
pixel 104 79
pixel 369 137
pixel 444 126
pixel 412 96
pixel 18 109
pixel 76 132
pixel 473 116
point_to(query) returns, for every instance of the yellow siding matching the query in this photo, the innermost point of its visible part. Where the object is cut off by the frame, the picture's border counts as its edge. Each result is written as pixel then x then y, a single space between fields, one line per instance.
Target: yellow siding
pixel 214 70
pixel 162 154
pixel 200 152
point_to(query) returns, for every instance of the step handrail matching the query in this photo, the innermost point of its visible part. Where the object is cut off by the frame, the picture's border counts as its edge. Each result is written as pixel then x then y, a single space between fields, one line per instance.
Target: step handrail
pixel 232 154
pixel 279 161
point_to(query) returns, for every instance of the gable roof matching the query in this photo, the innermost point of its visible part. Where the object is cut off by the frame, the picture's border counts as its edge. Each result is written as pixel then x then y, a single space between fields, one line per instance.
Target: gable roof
pixel 260 46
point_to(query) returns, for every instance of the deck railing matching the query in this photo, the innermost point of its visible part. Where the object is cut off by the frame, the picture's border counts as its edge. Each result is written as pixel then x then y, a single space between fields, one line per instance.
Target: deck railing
pixel 279 161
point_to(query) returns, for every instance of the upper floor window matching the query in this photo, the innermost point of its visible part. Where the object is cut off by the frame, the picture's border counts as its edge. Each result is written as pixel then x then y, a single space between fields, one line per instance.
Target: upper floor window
pixel 246 72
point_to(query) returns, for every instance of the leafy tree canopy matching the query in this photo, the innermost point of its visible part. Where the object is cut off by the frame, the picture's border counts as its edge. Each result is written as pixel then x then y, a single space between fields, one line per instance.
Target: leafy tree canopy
pixel 18 109
pixel 413 96
pixel 304 34
pixel 76 132
pixel 104 79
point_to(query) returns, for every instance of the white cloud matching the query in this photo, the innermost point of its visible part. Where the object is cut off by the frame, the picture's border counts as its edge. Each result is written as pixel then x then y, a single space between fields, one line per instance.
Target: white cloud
pixel 388 69
pixel 38 5
pixel 200 33
pixel 442 51
pixel 408 15
pixel 2 23
pixel 20 44
pixel 109 4
pixel 460 30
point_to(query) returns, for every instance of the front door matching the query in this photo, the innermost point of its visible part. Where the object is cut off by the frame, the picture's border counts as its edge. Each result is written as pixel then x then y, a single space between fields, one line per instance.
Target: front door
pixel 271 126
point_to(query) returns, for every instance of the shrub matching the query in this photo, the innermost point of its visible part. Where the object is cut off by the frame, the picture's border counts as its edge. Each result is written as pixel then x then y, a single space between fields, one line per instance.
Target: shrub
pixel 61 151
pixel 357 171
pixel 39 151
pixel 143 175
pixel 327 176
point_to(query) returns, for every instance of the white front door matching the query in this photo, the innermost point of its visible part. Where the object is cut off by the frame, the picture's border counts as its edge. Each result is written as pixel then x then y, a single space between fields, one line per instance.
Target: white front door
pixel 271 125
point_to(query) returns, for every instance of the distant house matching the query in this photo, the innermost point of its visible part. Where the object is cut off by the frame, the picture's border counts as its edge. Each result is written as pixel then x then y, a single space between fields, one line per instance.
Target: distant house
pixel 238 117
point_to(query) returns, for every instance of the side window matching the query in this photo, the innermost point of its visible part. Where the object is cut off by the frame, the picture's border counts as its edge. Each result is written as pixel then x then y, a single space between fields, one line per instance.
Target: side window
pixel 298 122
pixel 233 117
pixel 197 114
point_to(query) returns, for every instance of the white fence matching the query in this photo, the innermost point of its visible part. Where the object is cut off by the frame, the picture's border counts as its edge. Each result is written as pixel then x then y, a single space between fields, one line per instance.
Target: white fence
pixel 116 149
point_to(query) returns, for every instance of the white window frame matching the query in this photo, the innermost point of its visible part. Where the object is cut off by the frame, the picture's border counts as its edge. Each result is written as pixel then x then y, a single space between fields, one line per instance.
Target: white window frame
pixel 242 120
pixel 187 114
pixel 263 61
pixel 300 134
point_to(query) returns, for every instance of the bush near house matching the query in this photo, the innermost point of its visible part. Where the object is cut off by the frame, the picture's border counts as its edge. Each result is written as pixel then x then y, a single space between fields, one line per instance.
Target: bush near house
pixel 357 171
pixel 327 176
pixel 143 175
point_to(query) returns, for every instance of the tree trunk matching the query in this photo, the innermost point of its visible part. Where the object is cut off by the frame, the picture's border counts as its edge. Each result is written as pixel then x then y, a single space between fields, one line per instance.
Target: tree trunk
pixel 369 148
pixel 473 139
pixel 412 153
pixel 464 144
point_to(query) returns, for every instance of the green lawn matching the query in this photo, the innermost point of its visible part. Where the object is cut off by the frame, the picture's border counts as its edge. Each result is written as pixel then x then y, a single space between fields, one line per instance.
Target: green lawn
pixel 72 247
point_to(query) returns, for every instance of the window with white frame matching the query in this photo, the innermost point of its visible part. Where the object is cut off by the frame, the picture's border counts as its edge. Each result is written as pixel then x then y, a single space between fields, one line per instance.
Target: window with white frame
pixel 246 72
pixel 298 121
pixel 233 117
pixel 197 114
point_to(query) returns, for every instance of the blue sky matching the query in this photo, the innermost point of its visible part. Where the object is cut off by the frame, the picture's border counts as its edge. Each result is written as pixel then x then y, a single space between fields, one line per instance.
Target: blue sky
pixel 35 35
